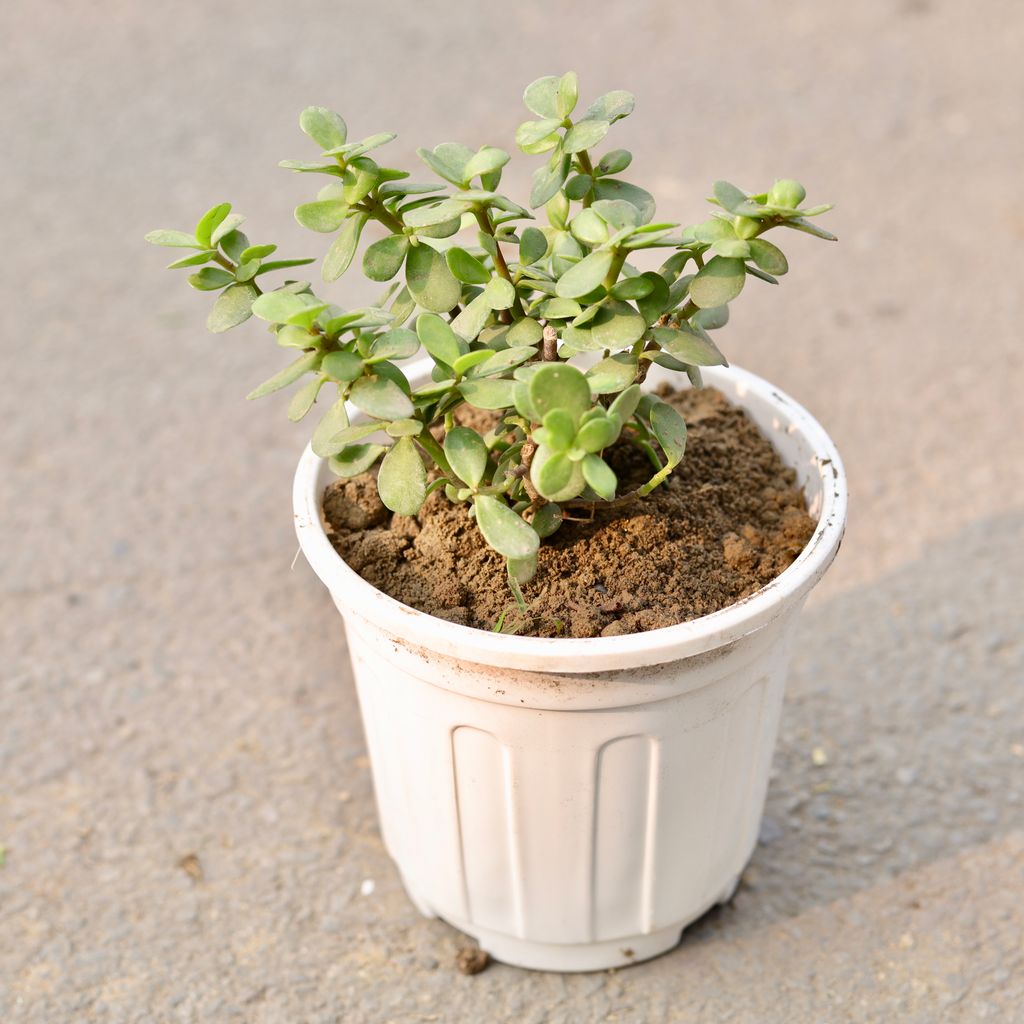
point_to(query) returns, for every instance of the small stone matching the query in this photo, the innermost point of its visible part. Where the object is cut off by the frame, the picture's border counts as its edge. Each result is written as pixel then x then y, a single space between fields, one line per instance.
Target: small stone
pixel 471 960
pixel 819 757
pixel 368 886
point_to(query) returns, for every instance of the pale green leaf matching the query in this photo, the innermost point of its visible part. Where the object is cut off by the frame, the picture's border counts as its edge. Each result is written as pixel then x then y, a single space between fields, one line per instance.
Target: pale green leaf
pixel 402 481
pixel 599 476
pixel 586 275
pixel 430 281
pixel 504 530
pixel 488 394
pixel 384 259
pixel 356 459
pixel 670 430
pixel 466 454
pixel 332 423
pixel 326 128
pixel 466 267
pixel 718 282
pixel 290 374
pixel 324 215
pixel 439 339
pixel 380 397
pixel 343 248
pixel 233 307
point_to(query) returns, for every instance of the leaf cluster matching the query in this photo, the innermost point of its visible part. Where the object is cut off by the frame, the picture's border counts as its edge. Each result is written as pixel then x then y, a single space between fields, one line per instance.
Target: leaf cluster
pixel 536 313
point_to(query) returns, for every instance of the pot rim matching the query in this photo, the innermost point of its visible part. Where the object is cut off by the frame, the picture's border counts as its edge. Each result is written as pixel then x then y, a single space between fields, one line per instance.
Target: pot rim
pixel 354 596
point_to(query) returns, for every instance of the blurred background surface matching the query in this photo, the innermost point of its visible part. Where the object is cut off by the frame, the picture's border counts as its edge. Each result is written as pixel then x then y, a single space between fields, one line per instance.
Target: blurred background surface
pixel 186 822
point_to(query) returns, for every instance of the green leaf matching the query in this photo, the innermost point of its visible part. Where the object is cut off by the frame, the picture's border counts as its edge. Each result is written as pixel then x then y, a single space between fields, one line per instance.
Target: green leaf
pixel 625 405
pixel 471 319
pixel 485 160
pixel 532 246
pixel 225 228
pixel 174 239
pixel 633 287
pixel 465 267
pixel 712 318
pixel 596 434
pixel 599 476
pixel 266 268
pixel 613 188
pixel 589 228
pixel 233 307
pixel 356 459
pixel 439 339
pixel 326 128
pixel 558 431
pixel 404 428
pixel 525 332
pixel 612 374
pixel 440 213
pixel 529 133
pixel 304 398
pixel 302 167
pixel 585 134
pixel 559 309
pixel 210 279
pixel 356 432
pixel 383 259
pixel 503 529
pixel 209 222
pixel 195 260
pixel 567 94
pixel 657 301
pixel 555 475
pixel 278 307
pixel 799 224
pixel 430 281
pixel 718 282
pixel 670 430
pixel 501 362
pixel 256 252
pixel 586 275
pixel 768 257
pixel 559 386
pixel 734 248
pixel 547 519
pixel 290 374
pixel 488 394
pixel 548 179
pixel 541 97
pixel 398 343
pixel 333 422
pixel 343 366
pixel 500 293
pixel 343 248
pixel 324 215
pixel 728 196
pixel 381 398
pixel 688 345
pixel 614 162
pixel 402 481
pixel 617 325
pixel 471 359
pixel 467 454
pixel 611 106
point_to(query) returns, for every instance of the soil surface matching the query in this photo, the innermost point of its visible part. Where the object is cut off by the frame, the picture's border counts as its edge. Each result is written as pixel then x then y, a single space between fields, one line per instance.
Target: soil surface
pixel 728 521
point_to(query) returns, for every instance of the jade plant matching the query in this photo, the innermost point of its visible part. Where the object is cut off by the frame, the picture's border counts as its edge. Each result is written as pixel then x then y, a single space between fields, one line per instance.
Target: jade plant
pixel 550 325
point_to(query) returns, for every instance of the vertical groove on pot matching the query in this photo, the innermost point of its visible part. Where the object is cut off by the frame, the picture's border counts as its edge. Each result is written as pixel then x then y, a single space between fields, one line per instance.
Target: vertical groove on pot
pixel 651 834
pixel 513 809
pixel 621 835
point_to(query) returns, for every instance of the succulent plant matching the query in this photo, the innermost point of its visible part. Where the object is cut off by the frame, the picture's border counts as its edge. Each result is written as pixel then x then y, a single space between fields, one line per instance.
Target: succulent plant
pixel 550 326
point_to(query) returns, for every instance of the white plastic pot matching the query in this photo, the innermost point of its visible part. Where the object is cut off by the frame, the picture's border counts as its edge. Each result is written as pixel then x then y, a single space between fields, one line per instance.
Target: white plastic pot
pixel 574 804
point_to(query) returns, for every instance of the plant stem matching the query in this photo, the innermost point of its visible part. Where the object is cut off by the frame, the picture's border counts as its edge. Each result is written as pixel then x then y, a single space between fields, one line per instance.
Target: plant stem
pixel 483 218
pixel 583 157
pixel 436 452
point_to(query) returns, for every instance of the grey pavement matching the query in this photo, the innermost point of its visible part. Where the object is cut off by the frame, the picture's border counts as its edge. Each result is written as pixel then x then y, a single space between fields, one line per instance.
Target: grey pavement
pixel 187 831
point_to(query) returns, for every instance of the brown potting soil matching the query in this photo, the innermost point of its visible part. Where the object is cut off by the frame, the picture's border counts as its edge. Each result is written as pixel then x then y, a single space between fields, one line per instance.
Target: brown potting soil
pixel 727 521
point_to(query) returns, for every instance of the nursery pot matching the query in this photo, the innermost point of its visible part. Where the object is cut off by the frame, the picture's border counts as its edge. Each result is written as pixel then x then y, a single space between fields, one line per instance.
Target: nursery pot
pixel 574 804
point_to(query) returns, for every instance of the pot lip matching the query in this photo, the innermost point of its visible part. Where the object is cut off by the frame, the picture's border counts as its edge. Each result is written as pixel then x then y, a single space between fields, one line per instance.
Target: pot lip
pixel 354 596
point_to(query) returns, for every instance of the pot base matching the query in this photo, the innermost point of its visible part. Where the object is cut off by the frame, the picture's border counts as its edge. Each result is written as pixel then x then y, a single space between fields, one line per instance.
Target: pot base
pixel 576 957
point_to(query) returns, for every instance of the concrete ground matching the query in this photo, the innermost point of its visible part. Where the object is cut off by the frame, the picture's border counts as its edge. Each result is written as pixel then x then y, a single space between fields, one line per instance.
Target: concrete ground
pixel 187 831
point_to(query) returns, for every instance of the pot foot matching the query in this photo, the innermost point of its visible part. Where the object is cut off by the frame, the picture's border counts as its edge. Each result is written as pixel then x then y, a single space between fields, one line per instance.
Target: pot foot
pixel 583 956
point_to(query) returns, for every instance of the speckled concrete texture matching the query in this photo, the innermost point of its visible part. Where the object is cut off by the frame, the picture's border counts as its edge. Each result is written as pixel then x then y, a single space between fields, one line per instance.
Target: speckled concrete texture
pixel 187 831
